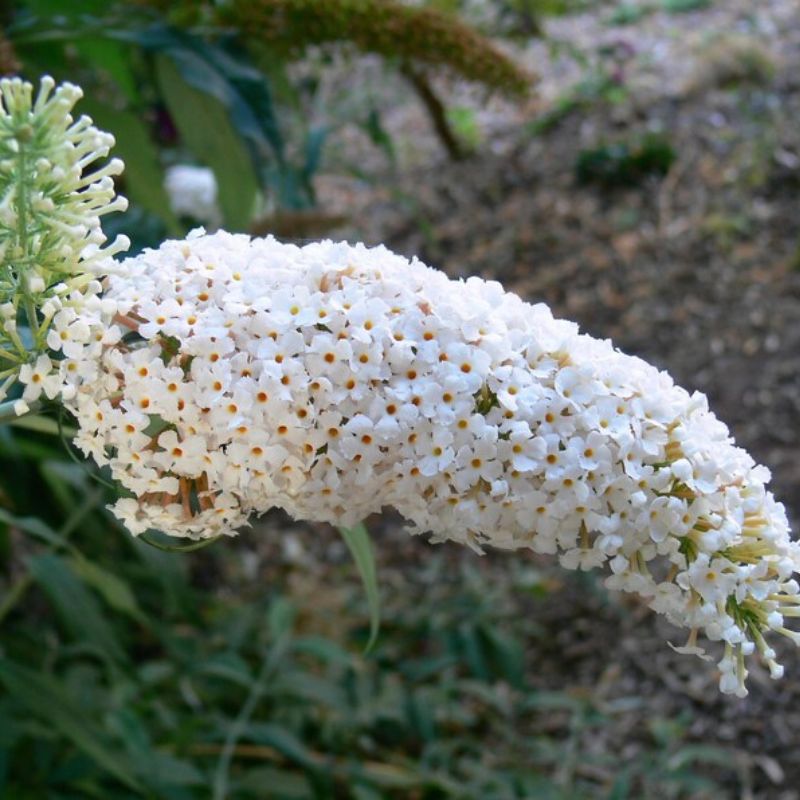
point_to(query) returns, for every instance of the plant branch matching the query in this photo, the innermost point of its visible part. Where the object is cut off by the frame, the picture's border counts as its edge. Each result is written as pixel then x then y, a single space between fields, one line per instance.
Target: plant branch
pixel 436 112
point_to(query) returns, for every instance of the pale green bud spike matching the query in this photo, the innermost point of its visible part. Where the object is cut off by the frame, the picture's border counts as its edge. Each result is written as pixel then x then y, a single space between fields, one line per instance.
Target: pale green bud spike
pixel 51 205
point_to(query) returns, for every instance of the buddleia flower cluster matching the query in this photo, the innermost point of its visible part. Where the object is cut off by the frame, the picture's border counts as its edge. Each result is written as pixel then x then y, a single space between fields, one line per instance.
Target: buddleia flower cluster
pixel 51 251
pixel 224 376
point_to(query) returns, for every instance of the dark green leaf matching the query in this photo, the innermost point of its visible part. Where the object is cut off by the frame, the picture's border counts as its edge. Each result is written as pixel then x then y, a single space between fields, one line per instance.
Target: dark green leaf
pixel 284 741
pixel 204 124
pixel 144 175
pixel 283 784
pixel 113 589
pixel 76 606
pixel 35 527
pixel 44 697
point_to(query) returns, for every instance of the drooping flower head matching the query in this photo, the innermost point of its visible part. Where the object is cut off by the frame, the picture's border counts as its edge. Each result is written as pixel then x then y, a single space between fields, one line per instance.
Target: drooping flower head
pixel 50 221
pixel 331 381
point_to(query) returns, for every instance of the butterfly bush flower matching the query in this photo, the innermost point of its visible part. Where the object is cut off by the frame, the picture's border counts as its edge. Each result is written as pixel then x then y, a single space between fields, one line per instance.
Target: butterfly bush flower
pixel 220 376
pixel 51 239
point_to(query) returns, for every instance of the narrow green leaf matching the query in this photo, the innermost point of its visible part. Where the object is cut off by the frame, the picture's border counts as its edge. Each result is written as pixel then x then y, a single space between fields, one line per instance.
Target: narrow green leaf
pixel 324 650
pixel 112 58
pixel 310 688
pixel 40 424
pixel 47 699
pixel 77 607
pixel 34 526
pixel 284 741
pixel 357 539
pixel 282 783
pixel 204 125
pixel 114 590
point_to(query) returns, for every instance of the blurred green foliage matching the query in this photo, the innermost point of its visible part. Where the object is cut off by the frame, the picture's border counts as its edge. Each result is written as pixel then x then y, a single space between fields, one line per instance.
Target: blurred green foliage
pixel 128 672
pixel 627 13
pixel 194 82
pixel 602 82
pixel 627 163
pixel 683 6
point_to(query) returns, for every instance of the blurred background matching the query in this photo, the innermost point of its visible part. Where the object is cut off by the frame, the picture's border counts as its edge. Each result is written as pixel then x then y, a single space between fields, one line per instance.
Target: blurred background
pixel 635 164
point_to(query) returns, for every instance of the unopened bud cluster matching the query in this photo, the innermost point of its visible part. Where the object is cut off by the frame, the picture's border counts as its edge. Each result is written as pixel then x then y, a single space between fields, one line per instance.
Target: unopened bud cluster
pixel 50 233
pixel 222 376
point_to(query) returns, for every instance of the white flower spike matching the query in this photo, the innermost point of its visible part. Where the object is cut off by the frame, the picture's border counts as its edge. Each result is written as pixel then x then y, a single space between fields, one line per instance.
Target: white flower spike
pixel 221 376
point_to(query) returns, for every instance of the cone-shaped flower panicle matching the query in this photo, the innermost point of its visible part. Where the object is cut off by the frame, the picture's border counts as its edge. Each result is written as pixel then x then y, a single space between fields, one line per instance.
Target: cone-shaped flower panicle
pixel 52 198
pixel 221 376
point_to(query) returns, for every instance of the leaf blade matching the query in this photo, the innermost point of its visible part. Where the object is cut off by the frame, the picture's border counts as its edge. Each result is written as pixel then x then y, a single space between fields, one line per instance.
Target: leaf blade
pixel 360 546
pixel 46 698
pixel 204 124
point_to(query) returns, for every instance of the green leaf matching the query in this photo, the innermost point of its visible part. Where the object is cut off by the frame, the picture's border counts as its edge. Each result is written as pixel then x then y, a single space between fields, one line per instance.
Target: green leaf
pixel 311 689
pixel 209 68
pixel 283 784
pixel 379 136
pixel 280 618
pixel 227 666
pixel 357 539
pixel 324 650
pixel 205 126
pixel 41 424
pixel 114 590
pixel 46 698
pixel 284 741
pixel 34 526
pixel 144 176
pixel 76 606
pixel 112 58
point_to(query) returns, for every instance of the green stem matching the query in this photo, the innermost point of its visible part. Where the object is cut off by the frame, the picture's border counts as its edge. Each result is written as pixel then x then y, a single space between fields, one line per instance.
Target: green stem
pixel 9 356
pixel 15 594
pixel 272 657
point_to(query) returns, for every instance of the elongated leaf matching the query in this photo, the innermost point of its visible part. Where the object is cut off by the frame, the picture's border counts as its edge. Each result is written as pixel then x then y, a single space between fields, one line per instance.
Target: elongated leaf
pixel 324 650
pixel 282 783
pixel 284 741
pixel 253 112
pixel 35 527
pixel 237 85
pixel 204 124
pixel 357 539
pixel 48 700
pixel 77 607
pixel 41 425
pixel 113 589
pixel 312 689
pixel 144 176
pixel 112 58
